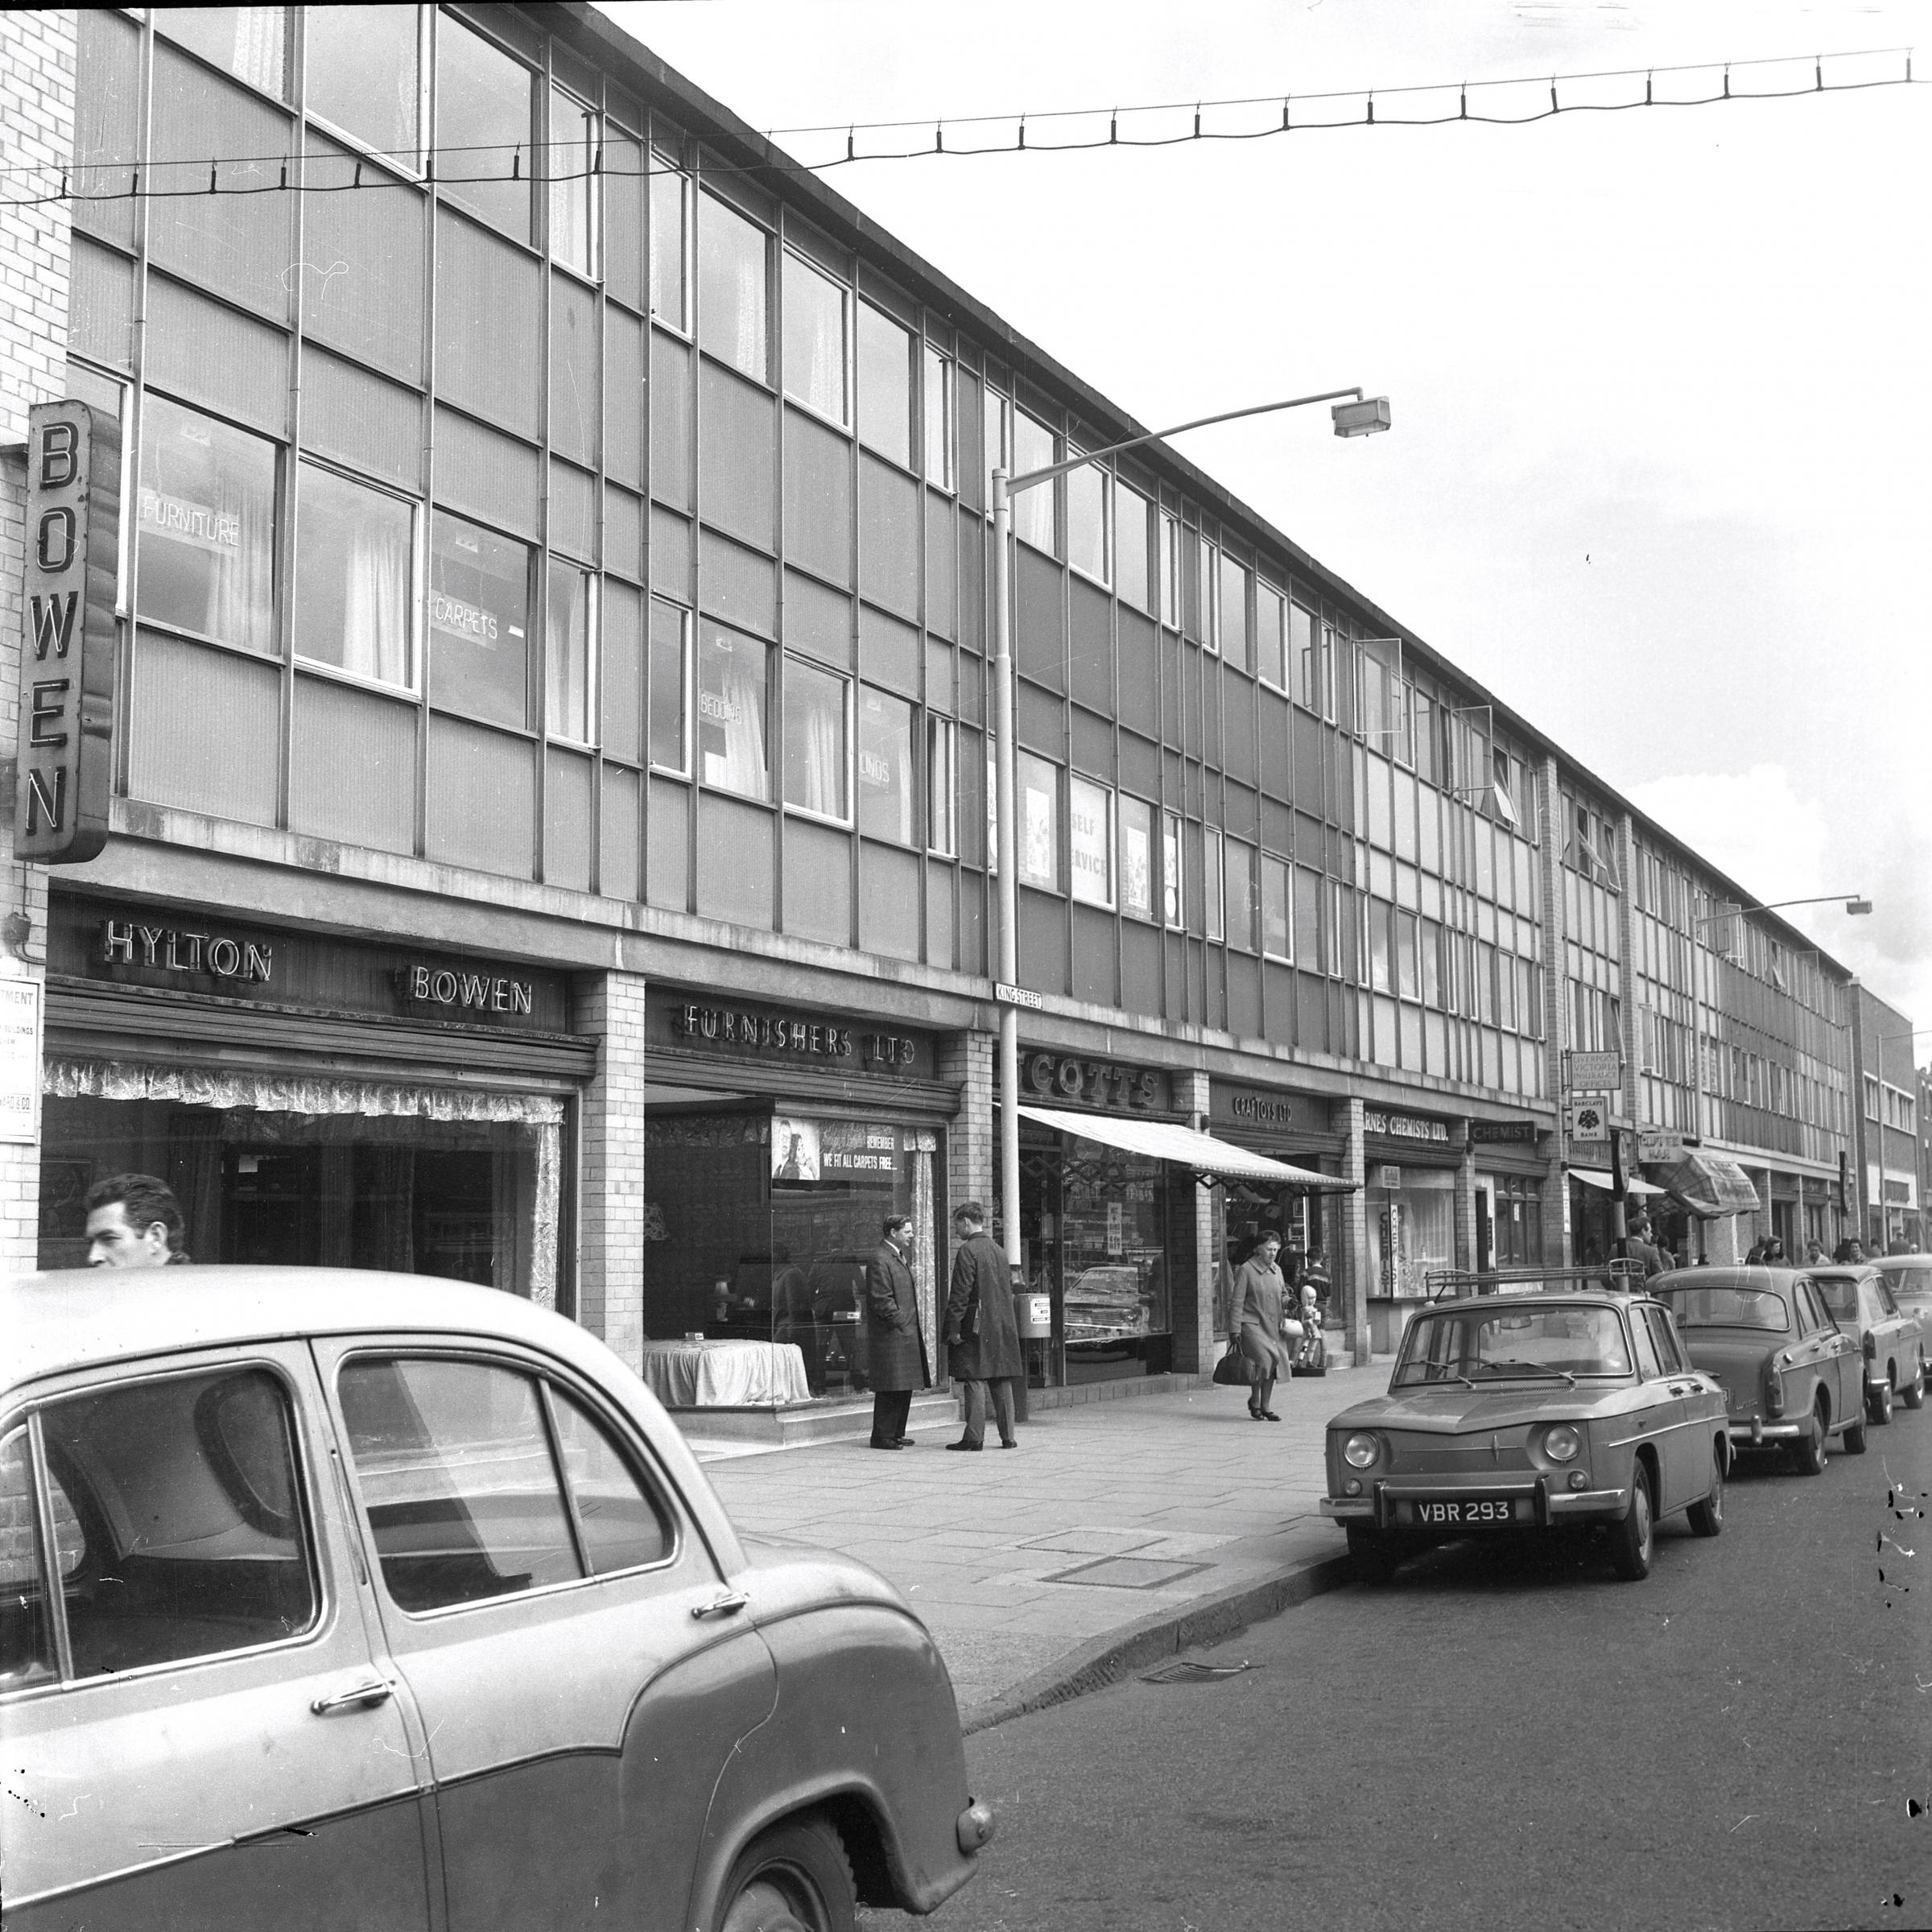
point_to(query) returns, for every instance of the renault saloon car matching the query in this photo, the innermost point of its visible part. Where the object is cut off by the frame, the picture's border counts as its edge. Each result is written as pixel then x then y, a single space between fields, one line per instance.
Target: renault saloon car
pixel 334 1599
pixel 1530 1412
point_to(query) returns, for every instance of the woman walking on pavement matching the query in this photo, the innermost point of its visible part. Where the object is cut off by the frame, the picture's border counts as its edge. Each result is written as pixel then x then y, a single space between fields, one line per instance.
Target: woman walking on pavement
pixel 1258 1289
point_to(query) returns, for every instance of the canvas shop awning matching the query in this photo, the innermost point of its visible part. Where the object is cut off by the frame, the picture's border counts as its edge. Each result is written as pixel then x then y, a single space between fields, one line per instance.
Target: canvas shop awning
pixel 1163 1141
pixel 1711 1187
pixel 1595 1177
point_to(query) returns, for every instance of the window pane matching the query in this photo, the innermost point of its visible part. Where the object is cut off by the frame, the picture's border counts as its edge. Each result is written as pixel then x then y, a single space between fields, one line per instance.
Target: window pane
pixel 1379 913
pixel 731 677
pixel 566 654
pixel 1234 612
pixel 1171 572
pixel 1087 520
pixel 1308 917
pixel 483 116
pixel 1039 831
pixel 1301 653
pixel 1201 612
pixel 1090 827
pixel 1239 860
pixel 1033 510
pixel 1130 546
pixel 207 525
pixel 1211 883
pixel 815 739
pixel 670 645
pixel 353 579
pixel 1173 903
pixel 885 384
pixel 731 287
pixel 1269 619
pixel 479 620
pixel 940 739
pixel 194 1541
pixel 887 786
pixel 251 42
pixel 670 203
pixel 815 339
pixel 1137 858
pixel 362 73
pixel 623 1523
pixel 26 1638
pixel 456 1475
pixel 1406 982
pixel 573 138
pixel 1275 938
pixel 938 419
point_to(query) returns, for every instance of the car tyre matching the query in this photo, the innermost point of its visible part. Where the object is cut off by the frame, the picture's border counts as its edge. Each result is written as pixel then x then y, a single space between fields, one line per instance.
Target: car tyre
pixel 793 1878
pixel 1914 1391
pixel 1707 1517
pixel 1878 1404
pixel 1369 1551
pixel 1808 1452
pixel 1857 1435
pixel 1633 1541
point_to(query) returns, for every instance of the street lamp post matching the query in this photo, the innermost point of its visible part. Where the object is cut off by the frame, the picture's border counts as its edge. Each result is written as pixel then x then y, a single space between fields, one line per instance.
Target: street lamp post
pixel 1354 414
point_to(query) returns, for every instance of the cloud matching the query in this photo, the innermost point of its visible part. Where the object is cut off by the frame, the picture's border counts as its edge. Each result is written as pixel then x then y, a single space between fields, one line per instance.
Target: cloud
pixel 1751 825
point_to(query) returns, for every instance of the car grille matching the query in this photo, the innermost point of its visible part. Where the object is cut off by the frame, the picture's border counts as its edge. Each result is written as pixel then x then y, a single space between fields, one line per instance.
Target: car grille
pixel 1459 1458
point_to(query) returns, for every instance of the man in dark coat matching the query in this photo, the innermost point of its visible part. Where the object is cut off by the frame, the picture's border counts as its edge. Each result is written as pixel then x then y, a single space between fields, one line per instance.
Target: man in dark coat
pixel 895 1350
pixel 982 1339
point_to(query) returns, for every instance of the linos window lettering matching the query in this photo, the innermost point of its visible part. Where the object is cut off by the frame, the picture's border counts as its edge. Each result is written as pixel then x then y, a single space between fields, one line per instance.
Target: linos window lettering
pixel 479 622
pixel 670 687
pixel 886 351
pixel 484 117
pixel 814 740
pixel 1137 857
pixel 354 577
pixel 1090 828
pixel 363 72
pixel 816 308
pixel 569 653
pixel 732 301
pixel 888 788
pixel 1039 831
pixel 207 527
pixel 733 674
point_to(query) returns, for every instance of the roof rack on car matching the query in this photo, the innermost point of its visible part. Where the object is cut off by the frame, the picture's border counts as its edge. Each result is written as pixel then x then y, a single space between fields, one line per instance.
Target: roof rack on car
pixel 1449 1284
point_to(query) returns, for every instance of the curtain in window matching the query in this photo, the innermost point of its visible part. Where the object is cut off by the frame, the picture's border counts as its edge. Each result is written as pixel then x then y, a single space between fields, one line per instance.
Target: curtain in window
pixel 376 636
pixel 925 1252
pixel 817 777
pixel 732 716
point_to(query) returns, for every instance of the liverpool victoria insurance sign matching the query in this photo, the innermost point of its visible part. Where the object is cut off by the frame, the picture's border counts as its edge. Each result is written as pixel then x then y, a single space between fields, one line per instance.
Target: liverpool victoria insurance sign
pixel 67 649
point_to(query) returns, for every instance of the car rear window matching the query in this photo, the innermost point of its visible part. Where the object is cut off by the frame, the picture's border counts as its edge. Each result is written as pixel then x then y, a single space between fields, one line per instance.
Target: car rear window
pixel 1839 1293
pixel 1726 1307
pixel 1510 1341
pixel 1909 1284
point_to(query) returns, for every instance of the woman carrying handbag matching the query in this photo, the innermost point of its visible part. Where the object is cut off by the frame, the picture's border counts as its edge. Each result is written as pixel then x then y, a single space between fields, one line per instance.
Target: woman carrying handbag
pixel 1258 1293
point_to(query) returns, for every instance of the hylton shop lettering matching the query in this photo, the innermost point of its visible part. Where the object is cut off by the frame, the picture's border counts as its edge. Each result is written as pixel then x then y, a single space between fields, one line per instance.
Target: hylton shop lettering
pixel 163 949
pixel 765 1032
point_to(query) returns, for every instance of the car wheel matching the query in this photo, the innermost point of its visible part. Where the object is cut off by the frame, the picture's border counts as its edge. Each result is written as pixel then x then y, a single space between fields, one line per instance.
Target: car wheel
pixel 1633 1541
pixel 1706 1518
pixel 1914 1391
pixel 1369 1550
pixel 1878 1401
pixel 1857 1435
pixel 793 1878
pixel 1809 1451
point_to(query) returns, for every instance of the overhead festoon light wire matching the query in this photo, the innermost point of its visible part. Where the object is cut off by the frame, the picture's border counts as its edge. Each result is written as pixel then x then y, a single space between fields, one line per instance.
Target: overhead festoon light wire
pixel 200 177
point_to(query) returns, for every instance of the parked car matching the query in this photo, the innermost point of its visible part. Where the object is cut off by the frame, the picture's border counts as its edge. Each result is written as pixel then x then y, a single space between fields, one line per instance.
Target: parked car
pixel 1909 1278
pixel 337 1599
pixel 1527 1412
pixel 1791 1379
pixel 1861 1303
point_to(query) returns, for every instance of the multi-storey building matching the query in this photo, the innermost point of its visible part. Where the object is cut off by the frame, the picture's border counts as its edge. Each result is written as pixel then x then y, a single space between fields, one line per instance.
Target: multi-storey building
pixel 548 840
pixel 1886 1146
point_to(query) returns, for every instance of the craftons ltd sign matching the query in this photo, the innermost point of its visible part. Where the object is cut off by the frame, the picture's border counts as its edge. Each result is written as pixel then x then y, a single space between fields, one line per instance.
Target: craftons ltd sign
pixel 1054 1076
pixel 67 649
pixel 1404 1126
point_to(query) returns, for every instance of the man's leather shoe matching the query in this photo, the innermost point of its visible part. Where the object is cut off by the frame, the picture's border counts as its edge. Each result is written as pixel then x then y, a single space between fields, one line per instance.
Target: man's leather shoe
pixel 888 1445
pixel 974 1446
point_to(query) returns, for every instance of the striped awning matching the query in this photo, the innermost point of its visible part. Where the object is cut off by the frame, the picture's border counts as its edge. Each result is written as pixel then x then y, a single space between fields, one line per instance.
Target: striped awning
pixel 1164 1141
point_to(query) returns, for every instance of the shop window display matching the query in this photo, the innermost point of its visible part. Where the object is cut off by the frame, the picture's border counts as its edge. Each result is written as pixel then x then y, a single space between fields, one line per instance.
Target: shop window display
pixel 1411 1230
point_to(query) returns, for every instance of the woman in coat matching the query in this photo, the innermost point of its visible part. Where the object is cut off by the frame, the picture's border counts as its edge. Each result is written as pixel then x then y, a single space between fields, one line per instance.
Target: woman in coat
pixel 895 1350
pixel 1258 1290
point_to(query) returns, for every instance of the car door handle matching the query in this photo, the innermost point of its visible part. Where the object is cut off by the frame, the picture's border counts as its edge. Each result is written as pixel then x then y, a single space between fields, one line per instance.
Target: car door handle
pixel 1681 1388
pixel 358 1697
pixel 721 1606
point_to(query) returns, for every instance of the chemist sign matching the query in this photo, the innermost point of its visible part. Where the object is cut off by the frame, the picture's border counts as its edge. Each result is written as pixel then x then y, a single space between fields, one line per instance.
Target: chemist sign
pixel 66 647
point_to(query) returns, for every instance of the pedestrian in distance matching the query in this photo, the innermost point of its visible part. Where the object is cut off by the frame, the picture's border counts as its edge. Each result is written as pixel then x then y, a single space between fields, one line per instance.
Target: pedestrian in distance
pixel 134 1221
pixel 982 1338
pixel 1815 1254
pixel 895 1350
pixel 1639 1247
pixel 1258 1293
pixel 1314 1272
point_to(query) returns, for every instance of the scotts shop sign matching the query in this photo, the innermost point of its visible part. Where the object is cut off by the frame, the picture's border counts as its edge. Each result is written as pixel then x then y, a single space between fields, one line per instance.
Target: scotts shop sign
pixel 67 652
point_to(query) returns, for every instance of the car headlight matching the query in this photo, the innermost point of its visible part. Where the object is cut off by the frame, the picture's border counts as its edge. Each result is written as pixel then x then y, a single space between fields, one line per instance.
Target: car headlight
pixel 1359 1451
pixel 1562 1443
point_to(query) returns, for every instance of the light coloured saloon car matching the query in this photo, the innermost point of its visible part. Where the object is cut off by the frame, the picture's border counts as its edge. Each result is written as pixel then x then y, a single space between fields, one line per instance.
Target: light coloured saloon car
pixel 352 1600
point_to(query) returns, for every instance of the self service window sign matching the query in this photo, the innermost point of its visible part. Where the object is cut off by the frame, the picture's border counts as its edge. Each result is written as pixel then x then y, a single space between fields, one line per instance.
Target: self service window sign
pixel 67 649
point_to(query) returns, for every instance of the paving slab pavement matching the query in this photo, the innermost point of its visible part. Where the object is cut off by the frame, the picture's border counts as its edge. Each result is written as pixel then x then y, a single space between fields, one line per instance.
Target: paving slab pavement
pixel 1118 1533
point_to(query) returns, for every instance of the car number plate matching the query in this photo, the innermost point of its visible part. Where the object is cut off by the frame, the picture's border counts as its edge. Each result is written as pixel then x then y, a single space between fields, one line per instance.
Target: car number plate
pixel 1466 1510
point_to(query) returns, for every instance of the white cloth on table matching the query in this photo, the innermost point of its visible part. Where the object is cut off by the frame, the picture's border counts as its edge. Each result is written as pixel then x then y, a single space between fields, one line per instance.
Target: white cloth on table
pixel 726 1375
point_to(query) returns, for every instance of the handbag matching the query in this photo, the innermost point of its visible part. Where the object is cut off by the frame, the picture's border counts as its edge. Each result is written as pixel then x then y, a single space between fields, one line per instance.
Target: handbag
pixel 1234 1370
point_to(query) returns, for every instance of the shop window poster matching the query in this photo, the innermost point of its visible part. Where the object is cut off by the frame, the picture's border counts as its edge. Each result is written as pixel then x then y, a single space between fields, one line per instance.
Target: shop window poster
pixel 794 1149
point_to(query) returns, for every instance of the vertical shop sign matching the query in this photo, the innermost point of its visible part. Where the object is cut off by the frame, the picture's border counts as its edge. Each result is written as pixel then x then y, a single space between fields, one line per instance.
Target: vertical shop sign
pixel 20 1058
pixel 67 649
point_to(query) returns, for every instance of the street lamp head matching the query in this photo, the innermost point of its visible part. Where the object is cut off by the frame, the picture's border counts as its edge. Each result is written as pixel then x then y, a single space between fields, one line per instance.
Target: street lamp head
pixel 1366 417
pixel 1858 905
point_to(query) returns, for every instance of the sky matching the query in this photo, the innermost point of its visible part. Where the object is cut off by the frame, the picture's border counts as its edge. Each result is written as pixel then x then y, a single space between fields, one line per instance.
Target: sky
pixel 1660 383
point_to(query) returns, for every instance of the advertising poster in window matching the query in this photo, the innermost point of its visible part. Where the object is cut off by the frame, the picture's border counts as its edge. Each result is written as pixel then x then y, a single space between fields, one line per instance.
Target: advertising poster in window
pixel 1037 831
pixel 833 1153
pixel 1090 824
pixel 794 1149
pixel 1137 860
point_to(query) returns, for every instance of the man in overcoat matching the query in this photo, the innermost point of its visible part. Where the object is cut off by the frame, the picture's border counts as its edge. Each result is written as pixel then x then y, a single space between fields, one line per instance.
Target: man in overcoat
pixel 982 1338
pixel 895 1350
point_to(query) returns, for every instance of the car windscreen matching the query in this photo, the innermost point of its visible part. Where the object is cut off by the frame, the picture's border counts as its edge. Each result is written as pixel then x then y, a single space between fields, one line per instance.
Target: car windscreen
pixel 1725 1307
pixel 1912 1284
pixel 1839 1293
pixel 1508 1340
